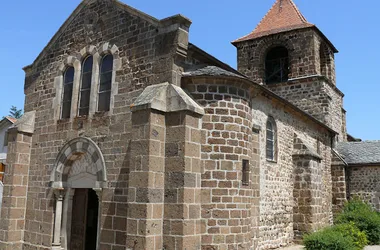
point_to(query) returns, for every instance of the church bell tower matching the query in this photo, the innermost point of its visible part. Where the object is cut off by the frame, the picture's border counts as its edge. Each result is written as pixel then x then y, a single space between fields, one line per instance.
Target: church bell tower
pixel 294 59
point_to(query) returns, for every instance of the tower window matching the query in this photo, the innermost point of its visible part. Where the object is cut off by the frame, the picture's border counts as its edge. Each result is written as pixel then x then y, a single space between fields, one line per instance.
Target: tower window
pixel 277 65
pixel 271 141
pixel 68 79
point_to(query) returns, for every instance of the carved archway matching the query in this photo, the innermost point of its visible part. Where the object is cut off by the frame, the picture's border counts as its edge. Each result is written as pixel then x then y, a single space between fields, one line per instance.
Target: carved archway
pixel 80 164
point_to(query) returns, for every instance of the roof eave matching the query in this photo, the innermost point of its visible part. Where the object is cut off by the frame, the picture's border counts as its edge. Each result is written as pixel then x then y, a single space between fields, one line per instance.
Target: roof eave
pixel 240 40
pixel 274 95
pixel 363 164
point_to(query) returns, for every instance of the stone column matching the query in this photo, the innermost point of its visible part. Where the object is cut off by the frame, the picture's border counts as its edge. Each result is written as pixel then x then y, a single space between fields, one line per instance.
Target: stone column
pixel 146 181
pixel 339 183
pixel 307 197
pixel 12 219
pixel 160 140
pixel 182 217
pixel 59 195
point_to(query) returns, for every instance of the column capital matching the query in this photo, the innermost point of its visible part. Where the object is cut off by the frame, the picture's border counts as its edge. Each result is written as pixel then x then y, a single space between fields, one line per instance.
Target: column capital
pixel 59 193
pixel 99 192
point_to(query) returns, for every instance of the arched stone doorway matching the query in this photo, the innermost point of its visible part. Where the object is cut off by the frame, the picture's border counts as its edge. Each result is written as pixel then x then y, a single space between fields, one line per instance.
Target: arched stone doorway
pixel 78 177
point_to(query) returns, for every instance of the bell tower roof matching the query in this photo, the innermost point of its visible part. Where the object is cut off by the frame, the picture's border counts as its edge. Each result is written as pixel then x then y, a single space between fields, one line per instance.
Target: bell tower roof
pixel 283 16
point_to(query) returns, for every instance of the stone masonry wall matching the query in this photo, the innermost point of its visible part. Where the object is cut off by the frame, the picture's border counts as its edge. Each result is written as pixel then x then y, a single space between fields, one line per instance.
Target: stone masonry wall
pixel 303 48
pixel 229 206
pixel 277 178
pixel 146 50
pixel 16 181
pixel 364 182
pixel 311 84
pixel 318 98
pixel 339 189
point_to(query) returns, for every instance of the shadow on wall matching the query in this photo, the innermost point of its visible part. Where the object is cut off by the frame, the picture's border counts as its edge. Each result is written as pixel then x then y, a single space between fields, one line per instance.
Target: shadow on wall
pixel 115 206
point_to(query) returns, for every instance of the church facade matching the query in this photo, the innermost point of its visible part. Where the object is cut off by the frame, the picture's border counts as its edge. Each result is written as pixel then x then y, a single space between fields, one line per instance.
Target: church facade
pixel 134 138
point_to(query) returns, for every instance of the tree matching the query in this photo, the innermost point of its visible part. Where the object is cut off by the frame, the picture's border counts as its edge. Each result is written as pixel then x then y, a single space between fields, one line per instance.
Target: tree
pixel 15 113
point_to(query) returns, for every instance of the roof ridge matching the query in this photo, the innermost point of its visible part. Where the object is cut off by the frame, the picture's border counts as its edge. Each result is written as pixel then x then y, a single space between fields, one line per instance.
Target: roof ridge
pixel 11 119
pixel 262 19
pixel 284 15
pixel 303 18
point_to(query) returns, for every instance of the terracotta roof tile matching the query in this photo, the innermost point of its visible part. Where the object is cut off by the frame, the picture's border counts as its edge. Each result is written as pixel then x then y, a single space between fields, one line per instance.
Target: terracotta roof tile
pixel 283 16
pixel 11 119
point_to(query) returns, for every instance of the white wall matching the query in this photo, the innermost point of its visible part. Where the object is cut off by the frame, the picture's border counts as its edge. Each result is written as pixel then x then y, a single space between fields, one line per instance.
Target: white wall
pixel 3 149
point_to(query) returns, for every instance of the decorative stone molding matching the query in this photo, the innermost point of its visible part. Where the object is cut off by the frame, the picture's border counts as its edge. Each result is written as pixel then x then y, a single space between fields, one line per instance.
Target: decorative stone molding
pixel 86 51
pixel 26 123
pixel 104 49
pixel 166 97
pixel 303 149
pixel 80 164
pixel 70 61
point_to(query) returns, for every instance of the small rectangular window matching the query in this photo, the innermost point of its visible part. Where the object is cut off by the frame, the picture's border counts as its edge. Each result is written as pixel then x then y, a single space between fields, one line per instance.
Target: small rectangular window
pixel 245 173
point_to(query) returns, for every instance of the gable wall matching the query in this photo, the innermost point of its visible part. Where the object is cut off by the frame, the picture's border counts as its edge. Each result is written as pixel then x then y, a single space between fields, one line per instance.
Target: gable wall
pixel 146 54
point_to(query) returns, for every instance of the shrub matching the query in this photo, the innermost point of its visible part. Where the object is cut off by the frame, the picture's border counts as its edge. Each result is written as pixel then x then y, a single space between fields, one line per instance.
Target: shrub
pixel 350 230
pixel 328 239
pixel 364 217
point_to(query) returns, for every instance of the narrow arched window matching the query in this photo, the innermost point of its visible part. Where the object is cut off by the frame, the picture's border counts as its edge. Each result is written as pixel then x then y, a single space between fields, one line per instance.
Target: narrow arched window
pixel 85 89
pixel 106 69
pixel 271 141
pixel 68 79
pixel 277 65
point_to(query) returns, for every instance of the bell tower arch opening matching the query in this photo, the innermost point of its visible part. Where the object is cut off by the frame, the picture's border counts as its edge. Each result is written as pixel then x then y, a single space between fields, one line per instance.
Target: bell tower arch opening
pixel 277 65
pixel 77 179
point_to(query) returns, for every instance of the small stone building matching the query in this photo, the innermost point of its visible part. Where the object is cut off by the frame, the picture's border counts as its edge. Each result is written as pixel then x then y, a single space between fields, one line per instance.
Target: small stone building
pixel 5 124
pixel 134 138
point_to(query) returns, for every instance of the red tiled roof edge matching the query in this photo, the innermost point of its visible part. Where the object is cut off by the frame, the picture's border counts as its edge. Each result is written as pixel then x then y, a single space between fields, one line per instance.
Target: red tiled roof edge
pixel 260 31
pixel 11 119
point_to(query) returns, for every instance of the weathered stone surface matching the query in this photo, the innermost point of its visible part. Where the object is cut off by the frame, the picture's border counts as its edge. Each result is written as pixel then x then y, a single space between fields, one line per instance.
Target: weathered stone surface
pixel 166 97
pixel 180 161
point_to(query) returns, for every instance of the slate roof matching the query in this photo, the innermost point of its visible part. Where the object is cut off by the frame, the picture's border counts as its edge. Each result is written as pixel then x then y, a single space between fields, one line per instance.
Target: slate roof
pixel 283 16
pixel 360 153
pixel 210 71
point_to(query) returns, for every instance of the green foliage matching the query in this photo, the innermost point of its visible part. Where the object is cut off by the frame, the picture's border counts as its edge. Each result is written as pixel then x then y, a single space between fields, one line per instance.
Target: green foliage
pixel 15 113
pixel 364 217
pixel 350 230
pixel 356 204
pixel 328 239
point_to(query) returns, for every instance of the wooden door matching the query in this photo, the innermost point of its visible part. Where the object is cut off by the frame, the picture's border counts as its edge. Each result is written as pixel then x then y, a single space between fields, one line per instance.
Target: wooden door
pixel 78 223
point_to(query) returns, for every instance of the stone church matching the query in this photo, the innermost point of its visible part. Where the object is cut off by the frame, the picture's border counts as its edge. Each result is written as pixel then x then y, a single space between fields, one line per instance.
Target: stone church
pixel 135 138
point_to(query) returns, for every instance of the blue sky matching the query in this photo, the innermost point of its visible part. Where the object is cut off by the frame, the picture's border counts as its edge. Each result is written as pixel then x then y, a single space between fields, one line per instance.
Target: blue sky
pixel 352 26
